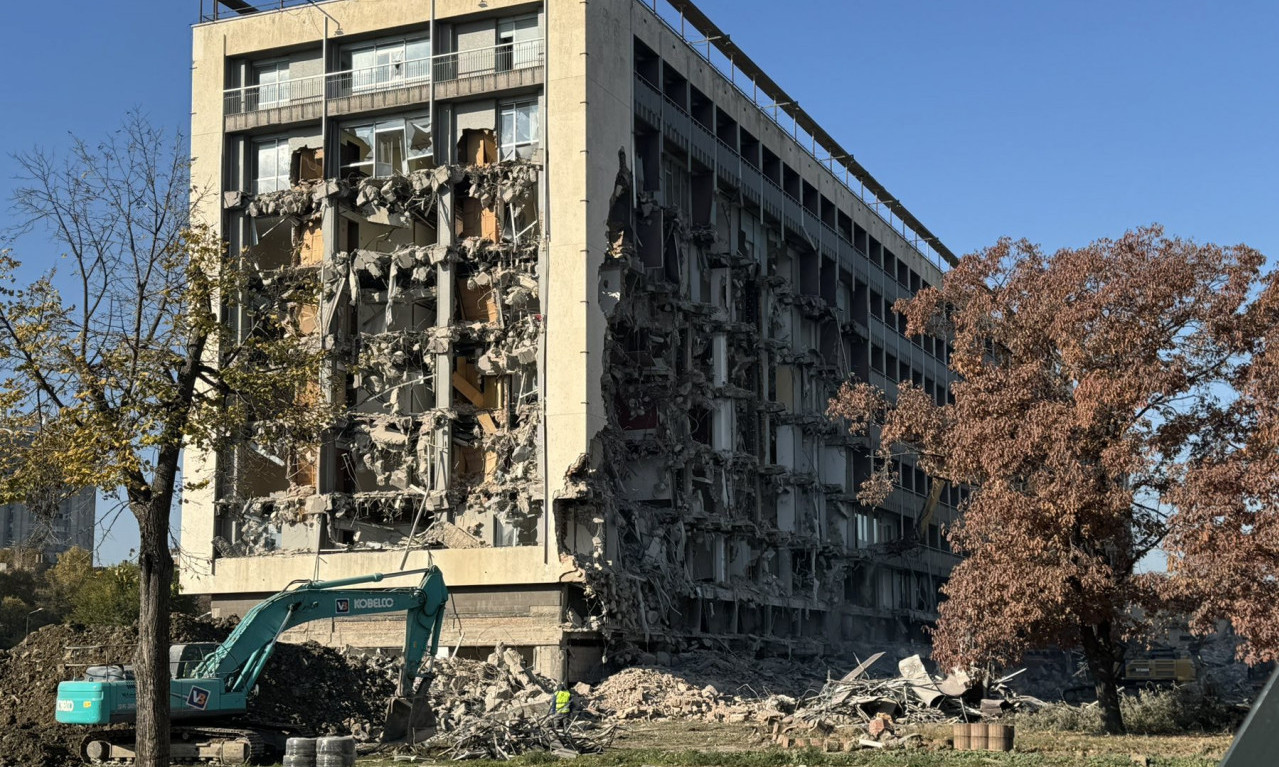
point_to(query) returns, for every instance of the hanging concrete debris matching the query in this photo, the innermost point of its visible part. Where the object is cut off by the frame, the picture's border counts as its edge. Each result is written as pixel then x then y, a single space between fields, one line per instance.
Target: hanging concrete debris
pixel 434 333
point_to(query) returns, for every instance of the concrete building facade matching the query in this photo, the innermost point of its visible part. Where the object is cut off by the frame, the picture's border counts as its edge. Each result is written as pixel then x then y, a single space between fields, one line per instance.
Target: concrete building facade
pixel 587 300
pixel 73 525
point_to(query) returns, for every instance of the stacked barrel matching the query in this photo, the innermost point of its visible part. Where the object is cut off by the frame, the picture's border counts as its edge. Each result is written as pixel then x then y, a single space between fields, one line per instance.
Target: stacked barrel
pixel 982 736
pixel 319 752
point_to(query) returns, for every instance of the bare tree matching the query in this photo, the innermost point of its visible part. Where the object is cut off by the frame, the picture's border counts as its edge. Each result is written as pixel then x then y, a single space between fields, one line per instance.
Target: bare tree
pixel 106 386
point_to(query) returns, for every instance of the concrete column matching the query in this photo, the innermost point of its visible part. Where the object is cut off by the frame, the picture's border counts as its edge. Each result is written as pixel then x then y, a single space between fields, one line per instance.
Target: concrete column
pixel 444 318
pixel 550 662
pixel 330 375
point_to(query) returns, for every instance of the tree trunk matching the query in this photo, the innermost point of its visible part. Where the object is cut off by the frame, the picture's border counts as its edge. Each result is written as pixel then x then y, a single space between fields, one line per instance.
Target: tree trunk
pixel 151 662
pixel 1104 657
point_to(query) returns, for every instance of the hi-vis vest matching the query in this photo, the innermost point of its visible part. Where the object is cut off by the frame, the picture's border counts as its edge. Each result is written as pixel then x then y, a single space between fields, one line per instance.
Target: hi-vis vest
pixel 561 701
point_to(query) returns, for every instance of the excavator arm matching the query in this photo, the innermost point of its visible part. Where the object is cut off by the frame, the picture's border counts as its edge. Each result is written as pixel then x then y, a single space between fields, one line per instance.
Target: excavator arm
pixel 240 659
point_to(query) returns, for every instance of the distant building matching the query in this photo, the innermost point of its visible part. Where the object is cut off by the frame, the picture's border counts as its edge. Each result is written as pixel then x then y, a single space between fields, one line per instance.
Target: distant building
pixel 73 526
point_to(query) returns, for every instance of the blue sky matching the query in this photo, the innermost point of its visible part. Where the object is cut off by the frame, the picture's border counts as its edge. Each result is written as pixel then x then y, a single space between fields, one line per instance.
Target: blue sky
pixel 1057 121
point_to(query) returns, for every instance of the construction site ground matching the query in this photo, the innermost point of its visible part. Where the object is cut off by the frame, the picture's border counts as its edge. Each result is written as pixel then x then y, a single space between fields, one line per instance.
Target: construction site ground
pixel 673 743
pixel 701 710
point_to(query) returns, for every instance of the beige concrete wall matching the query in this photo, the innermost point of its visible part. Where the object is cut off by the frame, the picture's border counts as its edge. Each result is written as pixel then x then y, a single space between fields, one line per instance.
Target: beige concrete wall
pixel 584 68
pixel 570 365
pixel 515 617
pixel 461 568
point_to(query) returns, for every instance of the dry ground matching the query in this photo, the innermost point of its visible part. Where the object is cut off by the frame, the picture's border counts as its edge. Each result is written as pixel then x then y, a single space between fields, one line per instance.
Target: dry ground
pixel 696 744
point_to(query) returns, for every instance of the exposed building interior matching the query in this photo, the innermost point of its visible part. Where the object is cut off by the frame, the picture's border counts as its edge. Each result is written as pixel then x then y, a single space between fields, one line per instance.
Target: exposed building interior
pixel 394 189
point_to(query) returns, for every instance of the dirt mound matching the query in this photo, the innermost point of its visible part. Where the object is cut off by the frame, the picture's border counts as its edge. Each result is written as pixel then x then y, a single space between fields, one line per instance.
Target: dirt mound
pixel 308 686
pixel 318 689
pixel 29 676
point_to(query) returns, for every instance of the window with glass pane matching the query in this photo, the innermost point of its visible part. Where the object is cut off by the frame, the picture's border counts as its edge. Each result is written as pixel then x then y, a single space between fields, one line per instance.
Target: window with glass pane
pixel 519 130
pixel 390 64
pixel 272 81
pixel 517 43
pixel 270 165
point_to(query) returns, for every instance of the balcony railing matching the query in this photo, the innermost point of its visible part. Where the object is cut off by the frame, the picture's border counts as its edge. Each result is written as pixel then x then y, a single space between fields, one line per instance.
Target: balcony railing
pixel 445 67
pixel 737 70
pixel 253 98
pixel 379 79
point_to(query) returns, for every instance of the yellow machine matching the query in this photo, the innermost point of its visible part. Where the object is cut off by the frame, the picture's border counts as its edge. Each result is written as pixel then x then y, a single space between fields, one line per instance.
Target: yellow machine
pixel 1160 668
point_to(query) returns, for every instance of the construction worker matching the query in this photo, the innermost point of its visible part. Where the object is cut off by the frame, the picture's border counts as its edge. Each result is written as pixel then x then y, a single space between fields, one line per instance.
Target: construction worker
pixel 561 704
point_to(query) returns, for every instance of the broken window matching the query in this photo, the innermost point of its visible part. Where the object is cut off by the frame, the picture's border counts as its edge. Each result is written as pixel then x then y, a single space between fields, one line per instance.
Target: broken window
pixel 387 147
pixel 388 64
pixel 519 129
pixel 271 159
pixel 271 242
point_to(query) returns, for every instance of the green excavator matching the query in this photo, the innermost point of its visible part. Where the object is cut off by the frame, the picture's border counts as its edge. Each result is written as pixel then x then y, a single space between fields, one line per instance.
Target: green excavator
pixel 211 683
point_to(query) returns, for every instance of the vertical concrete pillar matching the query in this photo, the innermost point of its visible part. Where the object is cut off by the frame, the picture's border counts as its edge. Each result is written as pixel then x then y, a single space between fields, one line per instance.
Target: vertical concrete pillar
pixel 331 331
pixel 444 362
pixel 549 661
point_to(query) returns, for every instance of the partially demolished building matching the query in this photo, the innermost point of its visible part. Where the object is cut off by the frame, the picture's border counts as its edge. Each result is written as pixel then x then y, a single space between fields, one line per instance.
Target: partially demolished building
pixel 587 295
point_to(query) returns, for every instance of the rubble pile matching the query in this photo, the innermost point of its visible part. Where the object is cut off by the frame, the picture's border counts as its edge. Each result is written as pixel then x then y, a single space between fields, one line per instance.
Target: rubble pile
pixel 649 693
pixel 496 709
pixel 795 709
pixel 701 684
pixel 913 696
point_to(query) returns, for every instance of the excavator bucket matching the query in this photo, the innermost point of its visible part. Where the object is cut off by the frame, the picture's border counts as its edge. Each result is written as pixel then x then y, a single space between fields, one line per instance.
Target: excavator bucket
pixel 408 719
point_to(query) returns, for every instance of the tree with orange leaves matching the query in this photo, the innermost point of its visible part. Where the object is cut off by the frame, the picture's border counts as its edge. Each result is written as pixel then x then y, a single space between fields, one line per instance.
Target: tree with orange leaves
pixel 1088 382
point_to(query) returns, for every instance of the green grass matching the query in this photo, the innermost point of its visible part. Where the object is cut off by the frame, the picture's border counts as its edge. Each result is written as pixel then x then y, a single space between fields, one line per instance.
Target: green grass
pixel 774 757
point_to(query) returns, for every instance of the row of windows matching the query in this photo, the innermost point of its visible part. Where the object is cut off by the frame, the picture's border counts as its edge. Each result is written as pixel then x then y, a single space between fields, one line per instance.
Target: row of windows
pixel 667 80
pixel 883 361
pixel 914 479
pixel 882 308
pixel 396 145
pixel 390 62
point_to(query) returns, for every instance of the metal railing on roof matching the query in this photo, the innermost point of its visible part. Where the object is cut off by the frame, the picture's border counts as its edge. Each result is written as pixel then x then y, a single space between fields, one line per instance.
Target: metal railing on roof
pixel 444 67
pixel 742 73
pixel 215 10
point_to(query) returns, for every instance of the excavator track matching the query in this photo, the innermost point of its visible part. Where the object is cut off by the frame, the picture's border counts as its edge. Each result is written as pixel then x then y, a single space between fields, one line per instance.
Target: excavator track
pixel 188 745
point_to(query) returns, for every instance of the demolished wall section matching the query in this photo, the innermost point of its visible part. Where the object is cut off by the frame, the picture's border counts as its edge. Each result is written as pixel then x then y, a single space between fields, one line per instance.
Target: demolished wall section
pixel 724 512
pixel 433 333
